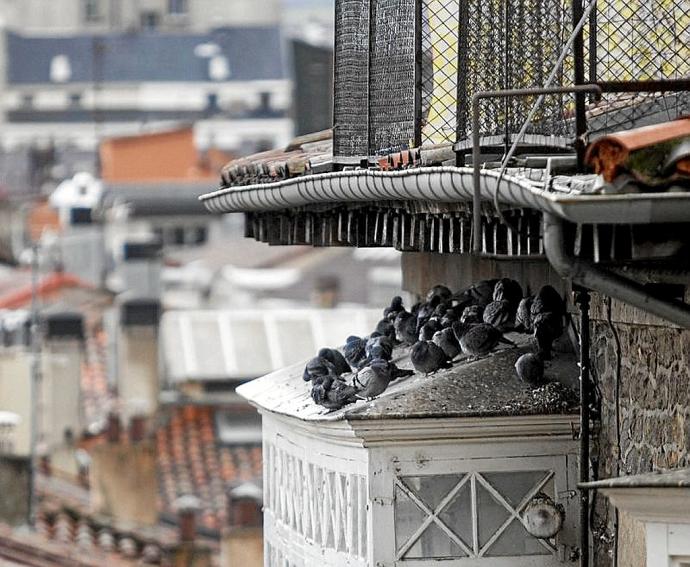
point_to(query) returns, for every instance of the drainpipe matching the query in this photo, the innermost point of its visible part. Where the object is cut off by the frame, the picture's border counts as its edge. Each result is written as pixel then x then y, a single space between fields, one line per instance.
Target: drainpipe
pixel 582 299
pixel 606 282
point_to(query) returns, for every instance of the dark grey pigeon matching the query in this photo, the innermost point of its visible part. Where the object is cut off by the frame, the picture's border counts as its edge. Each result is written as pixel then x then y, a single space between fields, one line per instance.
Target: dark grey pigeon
pixel 318 367
pixel 440 291
pixel 445 338
pixel 499 314
pixel 449 317
pixel 426 310
pixel 480 293
pixel 472 314
pixel 429 329
pixel 385 327
pixel 523 315
pixel 480 340
pixel 394 308
pixel 547 328
pixel 406 328
pixel 379 347
pixel 508 290
pixel 355 350
pixel 530 369
pixel 548 300
pixel 427 357
pixel 333 393
pixel 336 359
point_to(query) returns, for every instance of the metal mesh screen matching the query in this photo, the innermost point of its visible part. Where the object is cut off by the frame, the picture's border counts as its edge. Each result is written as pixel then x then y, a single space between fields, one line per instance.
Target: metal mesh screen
pixel 392 75
pixel 439 70
pixel 351 80
pixel 639 40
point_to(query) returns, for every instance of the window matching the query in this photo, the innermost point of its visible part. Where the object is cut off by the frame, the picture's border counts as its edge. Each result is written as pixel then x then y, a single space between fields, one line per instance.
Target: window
pixel 238 425
pixel 177 6
pixel 149 20
pixel 92 11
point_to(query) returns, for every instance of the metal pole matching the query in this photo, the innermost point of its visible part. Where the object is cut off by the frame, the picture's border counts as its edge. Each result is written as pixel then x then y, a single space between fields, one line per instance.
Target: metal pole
pixel 34 387
pixel 582 299
pixel 579 78
pixel 418 70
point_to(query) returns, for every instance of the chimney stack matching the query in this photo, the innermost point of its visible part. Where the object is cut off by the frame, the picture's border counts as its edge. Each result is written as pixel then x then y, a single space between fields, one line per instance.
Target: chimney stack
pixel 141 268
pixel 188 551
pixel 137 364
pixel 242 540
pixel 60 391
pixel 137 428
pixel 113 428
pixel 187 508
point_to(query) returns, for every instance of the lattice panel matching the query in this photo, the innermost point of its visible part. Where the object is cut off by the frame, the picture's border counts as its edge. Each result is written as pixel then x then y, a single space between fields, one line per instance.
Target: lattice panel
pixel 392 76
pixel 439 82
pixel 469 515
pixel 324 506
pixel 351 80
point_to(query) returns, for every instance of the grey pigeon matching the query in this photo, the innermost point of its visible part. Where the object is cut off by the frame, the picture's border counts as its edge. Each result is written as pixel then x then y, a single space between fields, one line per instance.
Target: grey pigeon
pixel 499 314
pixel 428 357
pixel 379 346
pixel 480 340
pixel 426 310
pixel 547 328
pixel 333 393
pixel 472 314
pixel 394 308
pixel 429 329
pixel 480 293
pixel 318 367
pixel 508 290
pixel 385 327
pixel 406 328
pixel 374 378
pixel 336 359
pixel 523 315
pixel 530 369
pixel 355 350
pixel 449 317
pixel 440 291
pixel 445 338
pixel 548 300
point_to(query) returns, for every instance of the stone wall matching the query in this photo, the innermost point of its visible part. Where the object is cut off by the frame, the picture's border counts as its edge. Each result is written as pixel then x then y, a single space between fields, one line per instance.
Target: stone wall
pixel 641 365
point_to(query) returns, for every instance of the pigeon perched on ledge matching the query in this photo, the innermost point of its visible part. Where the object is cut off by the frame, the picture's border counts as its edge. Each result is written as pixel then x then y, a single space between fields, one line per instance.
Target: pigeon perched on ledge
pixel 406 328
pixel 480 340
pixel 523 315
pixel 394 308
pixel 333 393
pixel 498 313
pixel 427 357
pixel 445 338
pixel 318 367
pixel 376 376
pixel 336 359
pixel 355 350
pixel 530 369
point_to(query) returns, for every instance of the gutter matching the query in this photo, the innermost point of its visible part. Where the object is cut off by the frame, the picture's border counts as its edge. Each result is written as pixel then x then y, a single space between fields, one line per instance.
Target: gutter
pixel 447 184
pixel 593 277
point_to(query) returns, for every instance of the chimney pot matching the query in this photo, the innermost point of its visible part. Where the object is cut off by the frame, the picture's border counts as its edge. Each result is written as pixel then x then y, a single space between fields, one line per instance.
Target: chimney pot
pixel 113 429
pixel 137 428
pixel 187 507
pixel 244 506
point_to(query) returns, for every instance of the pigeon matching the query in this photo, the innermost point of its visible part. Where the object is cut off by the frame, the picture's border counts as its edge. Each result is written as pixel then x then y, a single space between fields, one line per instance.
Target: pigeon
pixel 333 393
pixel 480 340
pixel 318 367
pixel 445 338
pixel 375 377
pixel 426 310
pixel 547 300
pixel 499 314
pixel 449 317
pixel 355 350
pixel 406 328
pixel 440 291
pixel 336 359
pixel 508 290
pixel 426 332
pixel 379 346
pixel 480 293
pixel 523 315
pixel 385 327
pixel 472 314
pixel 394 308
pixel 548 327
pixel 530 369
pixel 428 357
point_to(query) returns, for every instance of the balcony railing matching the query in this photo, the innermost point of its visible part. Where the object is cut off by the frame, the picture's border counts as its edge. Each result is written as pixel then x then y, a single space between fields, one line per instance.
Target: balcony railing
pixel 406 70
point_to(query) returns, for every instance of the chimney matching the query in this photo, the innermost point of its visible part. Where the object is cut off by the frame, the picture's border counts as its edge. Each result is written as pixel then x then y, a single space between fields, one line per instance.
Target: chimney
pixel 59 402
pixel 82 246
pixel 123 477
pixel 113 428
pixel 137 360
pixel 188 552
pixel 14 473
pixel 141 268
pixel 242 540
pixel 137 428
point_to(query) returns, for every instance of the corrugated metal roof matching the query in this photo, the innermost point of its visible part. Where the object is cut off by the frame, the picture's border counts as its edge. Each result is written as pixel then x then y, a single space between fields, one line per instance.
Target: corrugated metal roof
pixel 252 53
pixel 226 345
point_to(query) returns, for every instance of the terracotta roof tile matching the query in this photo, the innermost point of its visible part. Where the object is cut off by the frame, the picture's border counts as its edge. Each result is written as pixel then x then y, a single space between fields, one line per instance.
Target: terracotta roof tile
pixel 191 460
